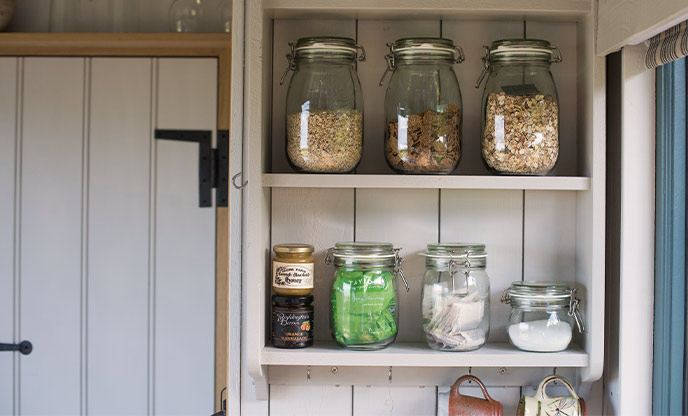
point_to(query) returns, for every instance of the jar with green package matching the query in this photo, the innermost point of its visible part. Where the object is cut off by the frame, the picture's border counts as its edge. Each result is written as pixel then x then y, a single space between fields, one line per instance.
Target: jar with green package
pixel 364 312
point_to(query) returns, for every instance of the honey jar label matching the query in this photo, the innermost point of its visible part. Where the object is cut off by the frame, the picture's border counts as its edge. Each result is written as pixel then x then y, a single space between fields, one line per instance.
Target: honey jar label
pixel 292 276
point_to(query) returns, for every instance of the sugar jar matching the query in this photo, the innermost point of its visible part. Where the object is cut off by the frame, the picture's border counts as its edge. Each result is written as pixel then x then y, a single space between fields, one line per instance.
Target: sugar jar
pixel 520 107
pixel 456 296
pixel 364 311
pixel 423 108
pixel 324 111
pixel 543 315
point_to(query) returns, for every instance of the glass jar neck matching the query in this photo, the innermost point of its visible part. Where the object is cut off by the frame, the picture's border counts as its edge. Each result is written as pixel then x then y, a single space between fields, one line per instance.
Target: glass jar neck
pixel 425 60
pixel 511 63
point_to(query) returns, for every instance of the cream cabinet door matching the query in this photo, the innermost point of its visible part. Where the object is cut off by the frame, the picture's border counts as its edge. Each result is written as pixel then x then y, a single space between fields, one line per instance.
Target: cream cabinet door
pixel 107 264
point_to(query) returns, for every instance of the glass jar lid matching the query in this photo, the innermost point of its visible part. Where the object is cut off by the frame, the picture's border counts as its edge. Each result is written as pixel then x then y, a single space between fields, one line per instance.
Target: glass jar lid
pixel 292 300
pixel 362 254
pixel 421 49
pixel 522 50
pixel 322 48
pixel 293 248
pixel 467 254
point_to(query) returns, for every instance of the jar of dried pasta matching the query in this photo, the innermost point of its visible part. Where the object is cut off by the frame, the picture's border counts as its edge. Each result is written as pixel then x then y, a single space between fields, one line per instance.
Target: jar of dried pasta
pixel 324 108
pixel 520 107
pixel 423 108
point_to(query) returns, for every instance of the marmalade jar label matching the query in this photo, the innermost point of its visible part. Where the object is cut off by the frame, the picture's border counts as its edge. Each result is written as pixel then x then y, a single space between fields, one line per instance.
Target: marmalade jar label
pixel 292 275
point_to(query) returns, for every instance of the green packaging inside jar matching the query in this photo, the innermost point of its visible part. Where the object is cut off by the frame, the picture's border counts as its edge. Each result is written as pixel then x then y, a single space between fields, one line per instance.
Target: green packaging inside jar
pixel 363 305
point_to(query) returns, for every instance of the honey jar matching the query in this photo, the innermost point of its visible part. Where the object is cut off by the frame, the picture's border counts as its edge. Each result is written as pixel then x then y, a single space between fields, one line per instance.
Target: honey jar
pixel 292 269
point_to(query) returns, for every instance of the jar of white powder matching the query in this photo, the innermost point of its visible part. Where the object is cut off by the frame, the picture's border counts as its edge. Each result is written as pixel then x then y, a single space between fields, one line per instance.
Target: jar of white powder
pixel 543 315
pixel 456 296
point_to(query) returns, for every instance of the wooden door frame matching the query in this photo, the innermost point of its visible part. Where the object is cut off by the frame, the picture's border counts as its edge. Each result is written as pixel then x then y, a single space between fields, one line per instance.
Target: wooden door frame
pixel 153 46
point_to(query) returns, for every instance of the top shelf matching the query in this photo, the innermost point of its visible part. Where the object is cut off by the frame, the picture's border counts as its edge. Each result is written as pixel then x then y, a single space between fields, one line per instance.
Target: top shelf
pixel 566 10
pixel 542 183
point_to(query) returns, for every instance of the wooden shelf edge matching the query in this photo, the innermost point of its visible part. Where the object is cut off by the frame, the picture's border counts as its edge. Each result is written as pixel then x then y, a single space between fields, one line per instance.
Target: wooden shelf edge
pixel 419 355
pixel 293 180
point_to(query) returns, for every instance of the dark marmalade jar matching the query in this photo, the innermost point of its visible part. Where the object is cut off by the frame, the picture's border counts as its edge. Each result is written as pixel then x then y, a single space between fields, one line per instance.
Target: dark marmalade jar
pixel 292 321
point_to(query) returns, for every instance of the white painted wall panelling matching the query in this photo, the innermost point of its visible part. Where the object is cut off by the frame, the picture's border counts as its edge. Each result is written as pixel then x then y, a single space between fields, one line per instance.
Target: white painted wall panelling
pixel 185 255
pixel 286 31
pixel 8 141
pixel 396 401
pixel 51 234
pixel 118 235
pixel 374 35
pixel 310 400
pixel 494 218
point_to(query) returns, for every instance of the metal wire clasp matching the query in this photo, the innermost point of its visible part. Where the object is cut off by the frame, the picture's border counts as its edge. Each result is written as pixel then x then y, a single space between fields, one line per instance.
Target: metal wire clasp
pixel 292 62
pixel 486 67
pixel 575 312
pixel 329 259
pixel 390 62
pixel 398 260
pixel 466 270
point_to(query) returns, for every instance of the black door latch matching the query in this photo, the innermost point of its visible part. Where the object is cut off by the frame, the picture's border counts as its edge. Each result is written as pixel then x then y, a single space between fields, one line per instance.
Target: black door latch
pixel 223 404
pixel 23 347
pixel 213 164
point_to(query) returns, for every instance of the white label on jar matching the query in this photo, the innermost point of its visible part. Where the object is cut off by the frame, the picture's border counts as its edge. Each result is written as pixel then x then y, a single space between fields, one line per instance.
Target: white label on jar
pixel 292 275
pixel 500 145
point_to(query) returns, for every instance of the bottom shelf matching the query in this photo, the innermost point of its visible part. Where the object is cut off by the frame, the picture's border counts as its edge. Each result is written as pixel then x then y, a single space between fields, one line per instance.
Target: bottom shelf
pixel 417 354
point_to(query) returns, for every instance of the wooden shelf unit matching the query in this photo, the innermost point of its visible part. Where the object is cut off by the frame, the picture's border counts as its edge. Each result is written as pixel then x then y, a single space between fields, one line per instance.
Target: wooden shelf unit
pixel 535 228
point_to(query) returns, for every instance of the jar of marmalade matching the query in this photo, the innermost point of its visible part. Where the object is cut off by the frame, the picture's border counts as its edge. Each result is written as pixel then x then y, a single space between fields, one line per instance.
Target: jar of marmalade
pixel 292 321
pixel 292 269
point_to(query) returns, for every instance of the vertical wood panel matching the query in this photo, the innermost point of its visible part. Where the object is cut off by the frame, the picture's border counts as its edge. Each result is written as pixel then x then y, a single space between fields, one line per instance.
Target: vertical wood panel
pixel 472 36
pixel 51 238
pixel 321 217
pixel 397 401
pixel 507 396
pixel 549 250
pixel 118 235
pixel 285 31
pixel 8 113
pixel 310 400
pixel 374 35
pixel 494 218
pixel 185 245
pixel 563 36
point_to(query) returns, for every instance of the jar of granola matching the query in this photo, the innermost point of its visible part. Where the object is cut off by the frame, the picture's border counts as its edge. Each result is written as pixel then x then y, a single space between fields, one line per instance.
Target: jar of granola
pixel 423 108
pixel 324 111
pixel 520 107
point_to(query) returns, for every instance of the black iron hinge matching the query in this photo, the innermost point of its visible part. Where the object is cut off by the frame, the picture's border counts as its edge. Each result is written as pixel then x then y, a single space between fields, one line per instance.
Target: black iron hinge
pixel 213 164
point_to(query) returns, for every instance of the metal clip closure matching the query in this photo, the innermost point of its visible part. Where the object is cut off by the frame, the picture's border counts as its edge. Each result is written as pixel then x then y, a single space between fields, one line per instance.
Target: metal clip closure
pixel 556 55
pixel 466 272
pixel 397 267
pixel 486 67
pixel 575 312
pixel 460 57
pixel 329 259
pixel 390 62
pixel 360 56
pixel 292 62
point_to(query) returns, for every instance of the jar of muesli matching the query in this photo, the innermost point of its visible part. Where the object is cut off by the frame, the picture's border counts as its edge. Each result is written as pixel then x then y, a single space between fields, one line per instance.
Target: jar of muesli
pixel 520 107
pixel 423 108
pixel 324 112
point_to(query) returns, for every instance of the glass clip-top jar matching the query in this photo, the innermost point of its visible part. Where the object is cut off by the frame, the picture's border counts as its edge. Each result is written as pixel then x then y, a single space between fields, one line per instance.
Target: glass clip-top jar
pixel 324 111
pixel 520 107
pixel 543 315
pixel 456 296
pixel 423 107
pixel 364 312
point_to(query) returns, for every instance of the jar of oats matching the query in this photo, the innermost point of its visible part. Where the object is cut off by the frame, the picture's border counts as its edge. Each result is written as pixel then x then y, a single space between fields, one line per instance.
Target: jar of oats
pixel 423 108
pixel 520 107
pixel 324 126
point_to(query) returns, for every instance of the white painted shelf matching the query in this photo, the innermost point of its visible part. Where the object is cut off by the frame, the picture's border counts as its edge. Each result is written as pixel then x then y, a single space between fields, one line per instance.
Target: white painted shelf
pixel 563 9
pixel 418 354
pixel 549 183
